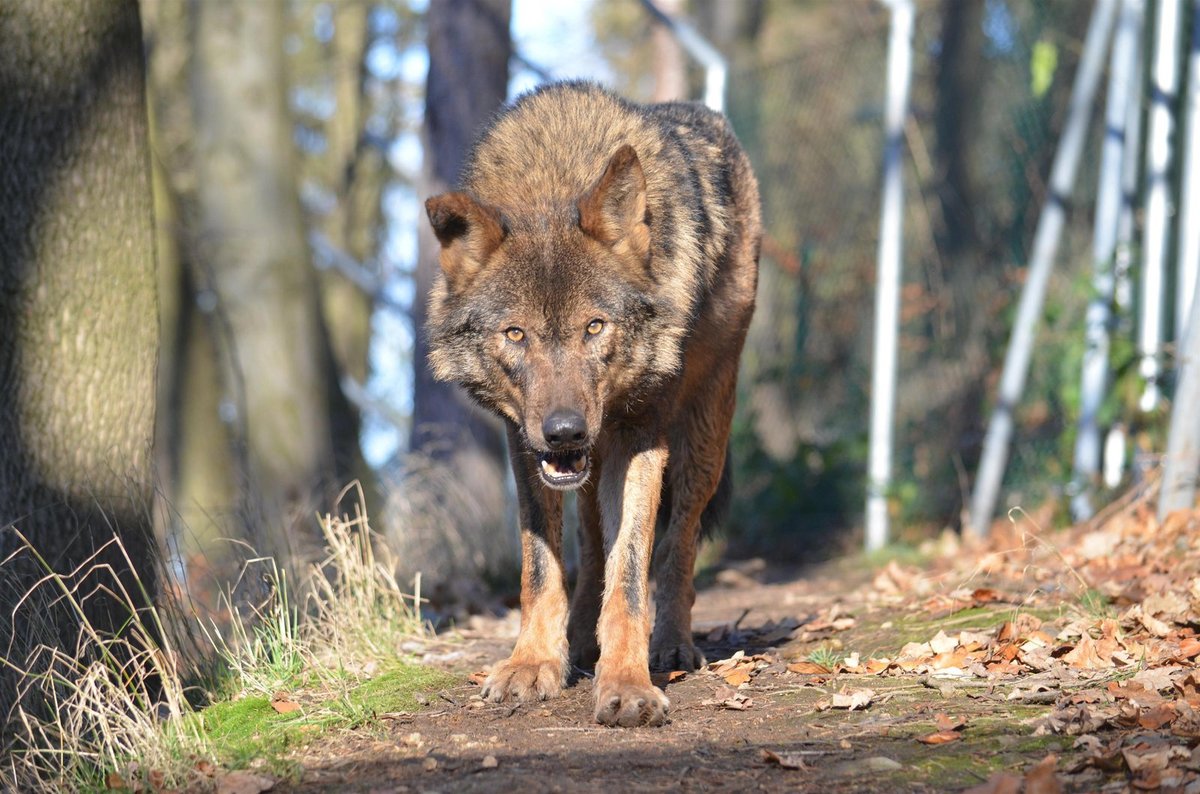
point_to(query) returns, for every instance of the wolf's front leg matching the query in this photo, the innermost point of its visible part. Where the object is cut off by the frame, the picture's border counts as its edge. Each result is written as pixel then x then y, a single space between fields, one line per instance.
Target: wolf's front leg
pixel 537 668
pixel 630 489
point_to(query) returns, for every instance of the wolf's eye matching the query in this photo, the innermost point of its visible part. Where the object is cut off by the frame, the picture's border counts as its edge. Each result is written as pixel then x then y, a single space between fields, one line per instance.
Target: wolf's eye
pixel 515 334
pixel 595 327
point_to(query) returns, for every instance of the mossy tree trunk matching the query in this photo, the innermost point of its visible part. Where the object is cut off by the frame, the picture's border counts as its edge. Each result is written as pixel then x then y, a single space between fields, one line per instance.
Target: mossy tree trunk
pixel 78 315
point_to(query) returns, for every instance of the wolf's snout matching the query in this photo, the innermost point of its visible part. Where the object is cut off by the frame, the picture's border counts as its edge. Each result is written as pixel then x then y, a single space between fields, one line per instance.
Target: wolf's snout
pixel 564 428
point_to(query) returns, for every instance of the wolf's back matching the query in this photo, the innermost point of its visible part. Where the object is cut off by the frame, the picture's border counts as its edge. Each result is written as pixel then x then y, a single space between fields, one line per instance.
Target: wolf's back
pixel 546 149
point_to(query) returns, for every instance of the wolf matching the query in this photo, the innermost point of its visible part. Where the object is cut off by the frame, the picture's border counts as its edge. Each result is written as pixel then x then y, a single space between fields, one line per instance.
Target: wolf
pixel 598 271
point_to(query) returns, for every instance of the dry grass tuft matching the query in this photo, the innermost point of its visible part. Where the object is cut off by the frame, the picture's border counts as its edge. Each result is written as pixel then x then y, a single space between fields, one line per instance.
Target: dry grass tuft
pixel 112 712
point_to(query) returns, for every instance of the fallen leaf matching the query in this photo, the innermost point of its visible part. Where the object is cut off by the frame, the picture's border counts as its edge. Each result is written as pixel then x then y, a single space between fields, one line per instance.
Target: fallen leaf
pixel 676 675
pixel 285 706
pixel 943 644
pixel 728 698
pixel 738 677
pixel 785 760
pixel 244 782
pixel 1086 655
pixel 848 699
pixel 1157 717
pixel 986 595
pixel 945 722
pixel 941 737
pixel 114 782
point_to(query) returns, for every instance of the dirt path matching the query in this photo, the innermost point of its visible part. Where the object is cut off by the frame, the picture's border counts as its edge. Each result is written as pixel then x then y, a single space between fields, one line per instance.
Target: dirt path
pixel 986 672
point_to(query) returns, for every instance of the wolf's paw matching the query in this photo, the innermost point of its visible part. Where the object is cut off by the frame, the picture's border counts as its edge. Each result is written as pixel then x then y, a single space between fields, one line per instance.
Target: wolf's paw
pixel 629 705
pixel 678 655
pixel 524 681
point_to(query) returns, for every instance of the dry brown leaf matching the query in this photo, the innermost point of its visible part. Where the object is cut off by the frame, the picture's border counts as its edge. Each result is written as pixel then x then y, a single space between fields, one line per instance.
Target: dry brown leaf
pixel 943 644
pixel 945 722
pixel 1189 648
pixel 738 677
pixel 1086 656
pixel 284 706
pixel 986 595
pixel 849 699
pixel 877 666
pixel 728 698
pixel 244 782
pixel 785 760
pixel 941 737
pixel 1157 717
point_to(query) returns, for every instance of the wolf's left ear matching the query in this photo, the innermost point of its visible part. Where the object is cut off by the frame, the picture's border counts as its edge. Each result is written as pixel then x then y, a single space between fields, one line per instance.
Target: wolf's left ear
pixel 613 210
pixel 469 232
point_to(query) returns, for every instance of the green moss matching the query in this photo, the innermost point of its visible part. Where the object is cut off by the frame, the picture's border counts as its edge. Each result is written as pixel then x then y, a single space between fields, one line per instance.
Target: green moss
pixel 244 730
pixel 397 690
pixel 249 729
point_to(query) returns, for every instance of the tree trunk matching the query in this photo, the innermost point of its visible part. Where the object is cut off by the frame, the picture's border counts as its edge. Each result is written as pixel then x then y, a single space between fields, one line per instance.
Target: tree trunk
pixel 355 174
pixel 670 63
pixel 469 49
pixel 78 314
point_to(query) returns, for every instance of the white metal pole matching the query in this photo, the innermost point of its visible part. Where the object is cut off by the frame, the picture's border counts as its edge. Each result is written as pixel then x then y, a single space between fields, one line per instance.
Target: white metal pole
pixel 1045 246
pixel 1124 57
pixel 1188 258
pixel 1182 461
pixel 887 288
pixel 1131 170
pixel 1164 85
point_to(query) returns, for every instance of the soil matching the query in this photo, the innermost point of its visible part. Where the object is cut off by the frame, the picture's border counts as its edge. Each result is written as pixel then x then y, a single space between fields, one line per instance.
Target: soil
pixel 993 717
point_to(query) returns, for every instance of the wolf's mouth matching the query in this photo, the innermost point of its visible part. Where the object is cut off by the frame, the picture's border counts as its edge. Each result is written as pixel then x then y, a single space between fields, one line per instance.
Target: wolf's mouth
pixel 565 470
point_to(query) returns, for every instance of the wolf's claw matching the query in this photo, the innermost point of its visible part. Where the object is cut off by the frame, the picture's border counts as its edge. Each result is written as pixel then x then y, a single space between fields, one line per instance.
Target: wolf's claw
pixel 676 656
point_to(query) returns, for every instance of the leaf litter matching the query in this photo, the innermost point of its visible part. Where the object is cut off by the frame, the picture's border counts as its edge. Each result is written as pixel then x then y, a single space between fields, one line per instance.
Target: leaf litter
pixel 1087 637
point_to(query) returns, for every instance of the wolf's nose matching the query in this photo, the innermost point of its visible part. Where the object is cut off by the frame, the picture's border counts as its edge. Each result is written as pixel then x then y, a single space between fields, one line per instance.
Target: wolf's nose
pixel 564 428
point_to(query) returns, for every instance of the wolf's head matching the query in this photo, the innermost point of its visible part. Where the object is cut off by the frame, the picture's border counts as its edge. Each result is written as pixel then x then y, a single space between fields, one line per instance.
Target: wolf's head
pixel 547 315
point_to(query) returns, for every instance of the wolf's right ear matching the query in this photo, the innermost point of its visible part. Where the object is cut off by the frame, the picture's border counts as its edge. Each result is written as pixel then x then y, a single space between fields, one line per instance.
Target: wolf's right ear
pixel 613 211
pixel 469 232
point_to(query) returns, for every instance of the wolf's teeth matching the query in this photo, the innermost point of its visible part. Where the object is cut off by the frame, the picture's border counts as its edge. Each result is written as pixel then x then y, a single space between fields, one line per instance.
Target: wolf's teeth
pixel 578 463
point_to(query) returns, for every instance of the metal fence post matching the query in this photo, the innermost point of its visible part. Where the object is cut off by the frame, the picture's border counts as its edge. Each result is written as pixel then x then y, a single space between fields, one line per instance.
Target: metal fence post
pixel 887 288
pixel 1045 247
pixel 1182 463
pixel 1164 85
pixel 1125 52
pixel 1189 215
